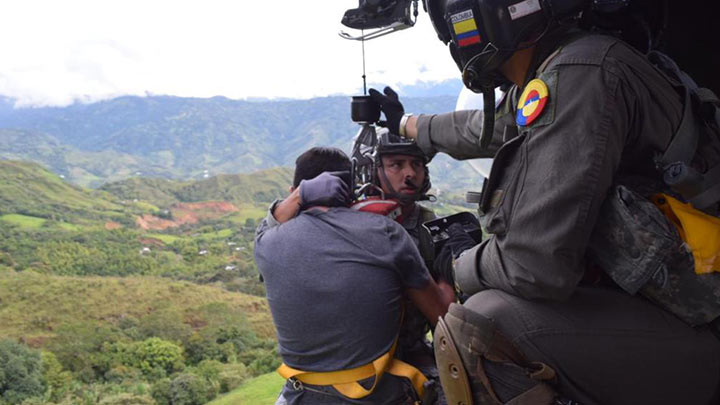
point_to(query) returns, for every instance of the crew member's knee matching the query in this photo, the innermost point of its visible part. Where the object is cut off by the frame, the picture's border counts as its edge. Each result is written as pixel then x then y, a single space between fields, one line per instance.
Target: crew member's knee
pixel 507 312
pixel 493 304
pixel 497 372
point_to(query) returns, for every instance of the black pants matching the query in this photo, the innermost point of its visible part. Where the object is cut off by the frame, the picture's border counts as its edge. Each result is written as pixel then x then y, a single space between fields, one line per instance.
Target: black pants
pixel 607 347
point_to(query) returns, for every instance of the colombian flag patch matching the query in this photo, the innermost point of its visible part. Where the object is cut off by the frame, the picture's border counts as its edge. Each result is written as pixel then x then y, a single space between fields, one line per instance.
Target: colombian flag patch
pixel 466 30
pixel 532 102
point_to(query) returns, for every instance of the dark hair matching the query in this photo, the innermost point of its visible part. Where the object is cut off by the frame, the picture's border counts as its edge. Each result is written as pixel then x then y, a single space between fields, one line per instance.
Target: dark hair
pixel 317 160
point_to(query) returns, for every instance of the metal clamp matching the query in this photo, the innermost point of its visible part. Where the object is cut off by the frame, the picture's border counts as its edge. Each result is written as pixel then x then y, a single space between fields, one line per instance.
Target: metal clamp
pixel 296 384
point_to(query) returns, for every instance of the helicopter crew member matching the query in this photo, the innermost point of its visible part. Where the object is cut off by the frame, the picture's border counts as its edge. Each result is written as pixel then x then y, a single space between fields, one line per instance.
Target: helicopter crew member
pixel 585 111
pixel 402 174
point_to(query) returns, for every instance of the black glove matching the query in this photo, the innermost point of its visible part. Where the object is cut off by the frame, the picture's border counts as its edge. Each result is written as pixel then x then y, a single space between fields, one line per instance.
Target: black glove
pixel 391 106
pixel 458 242
pixel 328 189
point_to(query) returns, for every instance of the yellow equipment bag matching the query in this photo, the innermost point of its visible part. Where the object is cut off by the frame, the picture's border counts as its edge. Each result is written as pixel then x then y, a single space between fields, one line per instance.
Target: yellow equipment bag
pixel 346 381
pixel 700 231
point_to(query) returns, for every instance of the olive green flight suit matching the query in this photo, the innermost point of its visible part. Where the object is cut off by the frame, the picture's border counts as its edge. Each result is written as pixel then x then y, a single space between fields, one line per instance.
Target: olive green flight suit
pixel 609 111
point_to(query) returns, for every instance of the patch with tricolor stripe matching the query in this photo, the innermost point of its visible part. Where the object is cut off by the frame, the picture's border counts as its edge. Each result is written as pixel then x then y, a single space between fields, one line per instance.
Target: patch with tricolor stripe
pixel 466 30
pixel 532 102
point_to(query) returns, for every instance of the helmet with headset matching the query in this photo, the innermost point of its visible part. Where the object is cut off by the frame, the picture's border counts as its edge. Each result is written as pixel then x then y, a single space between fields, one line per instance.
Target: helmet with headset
pixel 484 34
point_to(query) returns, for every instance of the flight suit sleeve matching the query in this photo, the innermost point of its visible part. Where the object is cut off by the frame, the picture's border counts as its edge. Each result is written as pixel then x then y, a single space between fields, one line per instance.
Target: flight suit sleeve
pixel 458 133
pixel 543 198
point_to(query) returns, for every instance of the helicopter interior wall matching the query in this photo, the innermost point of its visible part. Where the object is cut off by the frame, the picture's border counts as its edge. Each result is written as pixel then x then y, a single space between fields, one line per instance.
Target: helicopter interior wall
pixel 692 42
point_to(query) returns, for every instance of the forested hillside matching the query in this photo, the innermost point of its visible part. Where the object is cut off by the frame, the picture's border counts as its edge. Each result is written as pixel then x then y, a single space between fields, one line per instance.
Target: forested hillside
pixel 144 292
pixel 143 289
pixel 262 186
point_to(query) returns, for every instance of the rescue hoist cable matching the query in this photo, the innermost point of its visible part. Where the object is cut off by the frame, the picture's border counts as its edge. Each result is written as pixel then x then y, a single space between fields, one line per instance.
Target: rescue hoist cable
pixel 364 77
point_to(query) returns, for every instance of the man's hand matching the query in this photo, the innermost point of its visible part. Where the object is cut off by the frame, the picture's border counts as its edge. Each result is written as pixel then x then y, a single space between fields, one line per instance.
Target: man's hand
pixel 458 242
pixel 327 189
pixel 391 106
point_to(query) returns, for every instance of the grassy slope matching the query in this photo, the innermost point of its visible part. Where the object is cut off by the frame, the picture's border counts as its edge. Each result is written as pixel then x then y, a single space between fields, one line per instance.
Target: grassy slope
pixel 29 189
pixel 23 221
pixel 160 192
pixel 30 195
pixel 32 305
pixel 263 186
pixel 262 390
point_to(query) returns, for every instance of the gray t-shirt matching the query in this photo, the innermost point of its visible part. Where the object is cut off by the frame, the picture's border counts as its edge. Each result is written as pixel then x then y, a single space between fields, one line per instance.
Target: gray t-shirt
pixel 334 282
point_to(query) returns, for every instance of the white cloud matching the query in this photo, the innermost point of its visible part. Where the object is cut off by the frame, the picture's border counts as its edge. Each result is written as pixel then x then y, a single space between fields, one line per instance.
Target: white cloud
pixel 54 52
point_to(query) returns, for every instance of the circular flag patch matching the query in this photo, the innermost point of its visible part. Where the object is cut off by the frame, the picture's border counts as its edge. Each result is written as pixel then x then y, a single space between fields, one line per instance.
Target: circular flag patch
pixel 532 102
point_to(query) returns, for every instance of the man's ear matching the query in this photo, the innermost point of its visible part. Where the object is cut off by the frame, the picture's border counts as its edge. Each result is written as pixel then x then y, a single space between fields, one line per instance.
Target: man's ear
pixel 291 189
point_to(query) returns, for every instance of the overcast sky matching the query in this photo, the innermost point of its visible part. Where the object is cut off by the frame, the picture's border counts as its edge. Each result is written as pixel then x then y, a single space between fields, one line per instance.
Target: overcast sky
pixel 53 52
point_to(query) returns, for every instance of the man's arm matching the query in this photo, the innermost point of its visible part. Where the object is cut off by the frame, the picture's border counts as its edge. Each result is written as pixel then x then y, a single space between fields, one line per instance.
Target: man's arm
pixel 327 189
pixel 288 208
pixel 433 300
pixel 457 133
pixel 280 211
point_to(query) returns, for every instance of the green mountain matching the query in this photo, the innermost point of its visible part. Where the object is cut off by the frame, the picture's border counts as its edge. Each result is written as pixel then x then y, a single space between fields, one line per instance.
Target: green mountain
pixel 98 281
pixel 29 189
pixel 86 168
pixel 262 186
pixel 181 138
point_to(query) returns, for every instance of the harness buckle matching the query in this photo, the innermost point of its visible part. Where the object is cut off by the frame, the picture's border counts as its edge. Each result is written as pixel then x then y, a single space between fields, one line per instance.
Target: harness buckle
pixel 296 384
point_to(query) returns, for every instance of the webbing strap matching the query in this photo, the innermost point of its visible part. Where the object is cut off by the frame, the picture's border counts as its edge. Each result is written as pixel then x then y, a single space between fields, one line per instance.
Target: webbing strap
pixel 399 368
pixel 707 96
pixel 711 190
pixel 346 381
pixel 707 198
pixel 684 142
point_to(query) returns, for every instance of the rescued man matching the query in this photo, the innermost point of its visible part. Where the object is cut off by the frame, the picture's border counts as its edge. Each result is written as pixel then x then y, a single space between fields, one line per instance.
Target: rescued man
pixel 335 280
pixel 401 174
pixel 585 112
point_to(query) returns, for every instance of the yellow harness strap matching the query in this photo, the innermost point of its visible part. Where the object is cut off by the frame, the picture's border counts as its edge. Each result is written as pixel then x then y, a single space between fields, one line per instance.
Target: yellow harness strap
pixel 699 230
pixel 346 381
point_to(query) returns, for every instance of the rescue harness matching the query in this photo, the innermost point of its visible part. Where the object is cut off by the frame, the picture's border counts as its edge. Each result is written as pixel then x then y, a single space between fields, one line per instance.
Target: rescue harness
pixel 347 382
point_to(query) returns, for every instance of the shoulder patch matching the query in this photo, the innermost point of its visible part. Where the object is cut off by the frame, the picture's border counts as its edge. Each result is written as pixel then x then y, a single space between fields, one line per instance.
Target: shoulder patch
pixel 536 105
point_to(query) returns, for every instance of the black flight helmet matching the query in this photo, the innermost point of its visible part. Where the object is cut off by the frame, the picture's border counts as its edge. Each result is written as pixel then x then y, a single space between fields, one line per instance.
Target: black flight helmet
pixel 484 34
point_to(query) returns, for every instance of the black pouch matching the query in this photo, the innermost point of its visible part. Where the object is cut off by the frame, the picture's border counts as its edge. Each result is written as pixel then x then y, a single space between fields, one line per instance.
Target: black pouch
pixel 638 247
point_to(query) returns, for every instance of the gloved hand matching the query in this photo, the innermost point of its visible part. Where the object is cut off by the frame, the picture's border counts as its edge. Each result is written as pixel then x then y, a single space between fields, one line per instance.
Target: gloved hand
pixel 391 106
pixel 458 242
pixel 326 189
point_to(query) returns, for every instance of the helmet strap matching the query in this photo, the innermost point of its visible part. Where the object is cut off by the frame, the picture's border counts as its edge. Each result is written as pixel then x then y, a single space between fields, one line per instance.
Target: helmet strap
pixel 488 117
